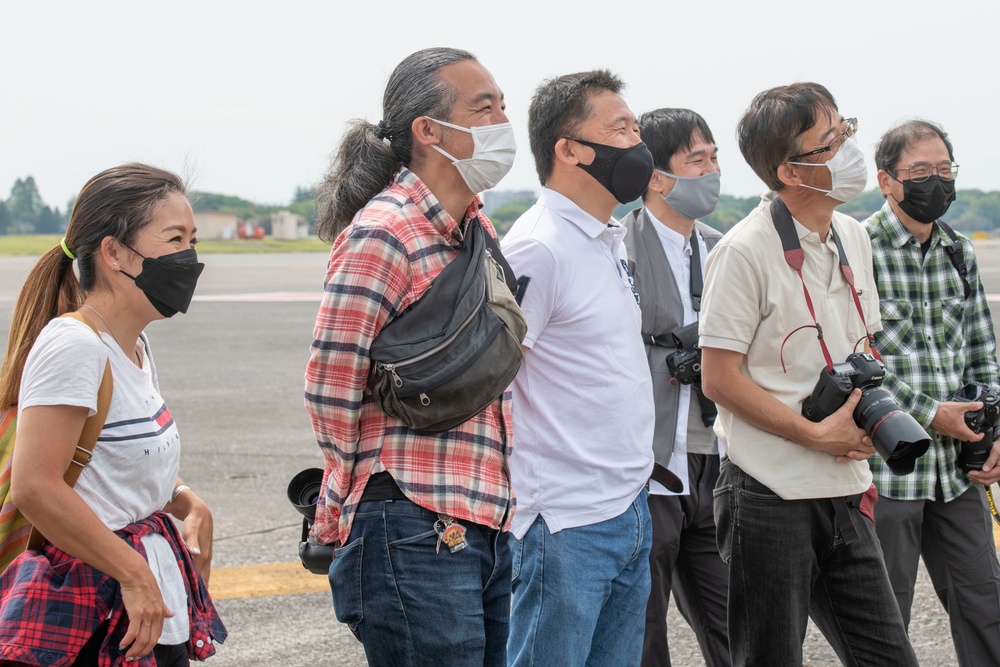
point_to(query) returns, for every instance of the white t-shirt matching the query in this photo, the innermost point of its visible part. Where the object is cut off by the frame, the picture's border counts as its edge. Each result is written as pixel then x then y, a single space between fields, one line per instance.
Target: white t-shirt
pixel 137 456
pixel 583 398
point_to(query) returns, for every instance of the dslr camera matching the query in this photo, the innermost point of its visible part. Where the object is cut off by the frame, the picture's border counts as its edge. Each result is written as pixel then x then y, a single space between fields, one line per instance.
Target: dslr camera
pixel 303 492
pixel 684 363
pixel 897 436
pixel 972 455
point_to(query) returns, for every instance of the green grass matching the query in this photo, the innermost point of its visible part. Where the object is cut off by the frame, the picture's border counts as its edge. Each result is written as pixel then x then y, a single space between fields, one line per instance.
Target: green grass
pixel 40 244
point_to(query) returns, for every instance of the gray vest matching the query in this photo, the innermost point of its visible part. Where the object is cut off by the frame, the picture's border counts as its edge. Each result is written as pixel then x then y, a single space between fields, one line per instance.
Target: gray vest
pixel 663 312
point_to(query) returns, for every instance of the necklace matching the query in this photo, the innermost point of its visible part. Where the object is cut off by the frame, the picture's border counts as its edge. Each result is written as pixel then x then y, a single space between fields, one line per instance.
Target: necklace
pixel 112 332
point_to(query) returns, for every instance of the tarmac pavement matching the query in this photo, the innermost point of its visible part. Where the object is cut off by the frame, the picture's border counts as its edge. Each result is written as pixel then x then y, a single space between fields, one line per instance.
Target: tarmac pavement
pixel 231 370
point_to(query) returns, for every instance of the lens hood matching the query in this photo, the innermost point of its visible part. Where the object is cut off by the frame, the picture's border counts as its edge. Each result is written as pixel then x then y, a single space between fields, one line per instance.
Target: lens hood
pixel 304 490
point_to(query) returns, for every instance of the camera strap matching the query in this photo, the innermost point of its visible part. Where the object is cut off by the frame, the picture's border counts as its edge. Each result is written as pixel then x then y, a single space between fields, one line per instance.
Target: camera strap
pixel 993 505
pixel 957 257
pixel 697 283
pixel 795 257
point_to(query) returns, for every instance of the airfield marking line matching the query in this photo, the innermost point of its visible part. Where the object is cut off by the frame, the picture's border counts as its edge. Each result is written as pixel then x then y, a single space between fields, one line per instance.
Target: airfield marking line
pixel 315 296
pixel 252 581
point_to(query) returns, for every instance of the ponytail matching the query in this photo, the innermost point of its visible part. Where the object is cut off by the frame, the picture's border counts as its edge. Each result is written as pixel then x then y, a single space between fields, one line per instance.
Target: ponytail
pixel 50 290
pixel 363 167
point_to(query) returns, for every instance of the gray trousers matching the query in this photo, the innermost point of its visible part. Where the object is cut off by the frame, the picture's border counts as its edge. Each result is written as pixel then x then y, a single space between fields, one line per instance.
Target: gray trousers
pixel 955 540
pixel 685 559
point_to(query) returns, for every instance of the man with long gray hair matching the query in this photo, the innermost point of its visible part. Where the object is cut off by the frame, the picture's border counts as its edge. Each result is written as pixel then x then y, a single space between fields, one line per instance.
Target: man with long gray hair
pixel 397 202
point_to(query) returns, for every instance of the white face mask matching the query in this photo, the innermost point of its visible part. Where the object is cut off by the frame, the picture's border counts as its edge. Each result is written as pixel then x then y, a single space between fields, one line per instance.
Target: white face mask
pixel 848 172
pixel 493 150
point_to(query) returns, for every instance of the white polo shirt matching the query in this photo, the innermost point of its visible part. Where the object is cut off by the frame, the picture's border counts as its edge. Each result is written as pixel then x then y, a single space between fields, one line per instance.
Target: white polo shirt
pixel 583 401
pixel 753 301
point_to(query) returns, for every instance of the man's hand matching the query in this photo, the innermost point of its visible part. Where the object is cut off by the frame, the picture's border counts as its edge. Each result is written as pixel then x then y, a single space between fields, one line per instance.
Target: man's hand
pixel 840 437
pixel 990 473
pixel 950 420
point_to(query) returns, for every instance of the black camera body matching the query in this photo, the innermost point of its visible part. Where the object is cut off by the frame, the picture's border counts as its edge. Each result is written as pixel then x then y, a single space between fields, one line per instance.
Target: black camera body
pixel 684 364
pixel 897 436
pixel 303 492
pixel 972 455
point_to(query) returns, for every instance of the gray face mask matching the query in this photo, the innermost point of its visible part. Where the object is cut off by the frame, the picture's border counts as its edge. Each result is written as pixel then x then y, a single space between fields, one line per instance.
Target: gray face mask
pixel 694 197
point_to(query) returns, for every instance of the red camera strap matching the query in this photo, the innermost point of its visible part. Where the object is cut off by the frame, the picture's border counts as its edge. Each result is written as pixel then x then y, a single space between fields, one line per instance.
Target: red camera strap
pixel 795 257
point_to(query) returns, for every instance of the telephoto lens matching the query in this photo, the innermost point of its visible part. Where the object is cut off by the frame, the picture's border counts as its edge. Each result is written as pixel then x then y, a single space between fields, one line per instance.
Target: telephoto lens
pixel 897 436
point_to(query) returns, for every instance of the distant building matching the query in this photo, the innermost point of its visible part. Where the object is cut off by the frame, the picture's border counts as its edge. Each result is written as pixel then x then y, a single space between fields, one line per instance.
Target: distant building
pixel 288 226
pixel 494 199
pixel 215 224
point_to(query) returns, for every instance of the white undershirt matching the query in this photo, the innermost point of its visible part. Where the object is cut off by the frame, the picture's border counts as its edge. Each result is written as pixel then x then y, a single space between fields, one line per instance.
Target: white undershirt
pixel 678 251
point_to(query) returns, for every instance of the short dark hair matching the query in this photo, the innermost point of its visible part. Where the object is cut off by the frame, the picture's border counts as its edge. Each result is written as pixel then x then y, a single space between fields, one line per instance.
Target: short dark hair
pixel 667 132
pixel 557 109
pixel 769 131
pixel 892 144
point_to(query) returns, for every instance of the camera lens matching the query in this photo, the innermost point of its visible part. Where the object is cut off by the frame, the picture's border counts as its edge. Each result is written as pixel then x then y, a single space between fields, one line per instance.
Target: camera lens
pixel 897 436
pixel 303 491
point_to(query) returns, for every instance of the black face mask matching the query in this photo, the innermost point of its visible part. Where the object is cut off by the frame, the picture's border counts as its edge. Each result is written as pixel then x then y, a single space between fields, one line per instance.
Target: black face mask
pixel 168 281
pixel 926 202
pixel 625 172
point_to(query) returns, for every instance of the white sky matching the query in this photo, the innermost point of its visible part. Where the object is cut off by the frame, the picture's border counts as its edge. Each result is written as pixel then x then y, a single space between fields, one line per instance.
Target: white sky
pixel 250 98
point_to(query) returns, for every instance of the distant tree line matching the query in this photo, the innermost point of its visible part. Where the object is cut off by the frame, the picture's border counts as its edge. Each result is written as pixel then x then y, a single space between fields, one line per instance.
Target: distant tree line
pixel 972 211
pixel 24 211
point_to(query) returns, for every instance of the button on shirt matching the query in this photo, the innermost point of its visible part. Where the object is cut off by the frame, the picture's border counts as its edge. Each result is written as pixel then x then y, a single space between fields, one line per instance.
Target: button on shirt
pixel 583 402
pixel 933 341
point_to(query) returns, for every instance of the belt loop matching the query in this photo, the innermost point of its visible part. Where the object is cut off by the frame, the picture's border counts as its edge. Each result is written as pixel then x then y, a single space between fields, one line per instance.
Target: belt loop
pixel 843 510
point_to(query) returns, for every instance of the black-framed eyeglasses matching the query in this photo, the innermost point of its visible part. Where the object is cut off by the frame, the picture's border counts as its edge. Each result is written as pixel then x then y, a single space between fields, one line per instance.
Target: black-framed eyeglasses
pixel 838 141
pixel 921 171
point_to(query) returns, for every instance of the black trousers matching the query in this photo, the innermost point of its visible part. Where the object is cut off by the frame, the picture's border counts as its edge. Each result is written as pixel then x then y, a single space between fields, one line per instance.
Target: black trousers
pixel 685 560
pixel 166 655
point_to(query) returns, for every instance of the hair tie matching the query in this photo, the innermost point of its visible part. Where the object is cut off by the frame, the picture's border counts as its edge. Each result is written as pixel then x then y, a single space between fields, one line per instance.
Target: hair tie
pixel 383 131
pixel 65 249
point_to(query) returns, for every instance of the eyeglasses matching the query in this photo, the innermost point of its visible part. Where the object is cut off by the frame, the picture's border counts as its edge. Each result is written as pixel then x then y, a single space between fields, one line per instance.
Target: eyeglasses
pixel 921 171
pixel 852 129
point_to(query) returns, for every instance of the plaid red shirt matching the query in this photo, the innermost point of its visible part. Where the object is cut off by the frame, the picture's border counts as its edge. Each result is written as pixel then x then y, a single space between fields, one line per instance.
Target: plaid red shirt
pixel 383 262
pixel 51 603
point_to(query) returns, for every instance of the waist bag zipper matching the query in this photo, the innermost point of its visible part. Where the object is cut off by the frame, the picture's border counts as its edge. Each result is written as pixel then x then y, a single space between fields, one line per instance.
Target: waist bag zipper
pixel 391 368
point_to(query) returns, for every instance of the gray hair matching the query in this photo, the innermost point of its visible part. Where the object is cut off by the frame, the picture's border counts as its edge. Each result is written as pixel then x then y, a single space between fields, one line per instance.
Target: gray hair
pixel 369 155
pixel 898 139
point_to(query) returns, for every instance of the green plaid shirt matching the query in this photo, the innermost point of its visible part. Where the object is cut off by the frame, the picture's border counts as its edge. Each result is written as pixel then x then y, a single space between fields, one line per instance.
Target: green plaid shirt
pixel 933 342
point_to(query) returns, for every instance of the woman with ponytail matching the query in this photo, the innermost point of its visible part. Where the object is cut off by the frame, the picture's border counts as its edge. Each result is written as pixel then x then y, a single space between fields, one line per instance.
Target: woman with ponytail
pixel 115 578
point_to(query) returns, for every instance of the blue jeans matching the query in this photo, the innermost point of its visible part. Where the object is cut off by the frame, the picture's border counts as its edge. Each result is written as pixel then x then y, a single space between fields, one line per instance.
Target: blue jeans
pixel 792 559
pixel 580 594
pixel 411 605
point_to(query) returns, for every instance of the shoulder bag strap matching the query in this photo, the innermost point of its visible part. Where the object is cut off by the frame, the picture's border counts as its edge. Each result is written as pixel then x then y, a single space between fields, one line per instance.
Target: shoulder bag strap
pixel 957 257
pixel 95 423
pixel 91 430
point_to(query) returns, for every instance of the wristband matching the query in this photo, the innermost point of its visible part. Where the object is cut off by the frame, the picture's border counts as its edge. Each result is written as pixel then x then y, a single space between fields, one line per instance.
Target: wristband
pixel 178 491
